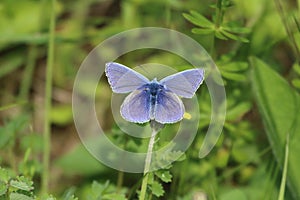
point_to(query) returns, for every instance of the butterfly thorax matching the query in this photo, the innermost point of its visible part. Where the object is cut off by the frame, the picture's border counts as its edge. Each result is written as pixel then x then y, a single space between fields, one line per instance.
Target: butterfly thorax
pixel 153 88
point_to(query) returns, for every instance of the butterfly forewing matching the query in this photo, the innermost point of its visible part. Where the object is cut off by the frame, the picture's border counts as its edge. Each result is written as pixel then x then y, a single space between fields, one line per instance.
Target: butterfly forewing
pixel 123 79
pixel 168 108
pixel 136 107
pixel 185 83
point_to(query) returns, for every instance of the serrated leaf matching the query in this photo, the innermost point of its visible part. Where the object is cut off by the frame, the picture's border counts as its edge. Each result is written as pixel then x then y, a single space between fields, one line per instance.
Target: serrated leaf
pixel 21 184
pixel 18 196
pixel 198 19
pixel 3 188
pixel 202 31
pixel 4 176
pixel 164 175
pixel 157 189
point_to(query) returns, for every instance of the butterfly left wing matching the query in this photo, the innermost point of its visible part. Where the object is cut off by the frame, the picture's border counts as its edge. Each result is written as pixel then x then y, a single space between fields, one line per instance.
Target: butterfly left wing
pixel 136 107
pixel 168 108
pixel 123 79
pixel 184 83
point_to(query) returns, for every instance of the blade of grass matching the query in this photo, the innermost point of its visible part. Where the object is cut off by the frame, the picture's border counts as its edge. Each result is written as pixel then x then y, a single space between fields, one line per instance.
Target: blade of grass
pixel 285 166
pixel 27 77
pixel 12 105
pixel 48 94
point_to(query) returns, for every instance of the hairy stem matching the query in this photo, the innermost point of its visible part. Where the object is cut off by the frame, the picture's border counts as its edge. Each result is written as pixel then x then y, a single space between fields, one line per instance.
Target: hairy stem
pixel 147 164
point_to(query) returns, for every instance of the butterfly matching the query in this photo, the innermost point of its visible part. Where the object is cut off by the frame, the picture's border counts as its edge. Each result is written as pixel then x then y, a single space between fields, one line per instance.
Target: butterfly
pixel 153 100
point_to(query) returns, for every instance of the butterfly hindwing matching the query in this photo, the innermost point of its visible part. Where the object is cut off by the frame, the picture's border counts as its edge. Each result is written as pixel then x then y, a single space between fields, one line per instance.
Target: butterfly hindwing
pixel 123 79
pixel 168 108
pixel 136 107
pixel 184 83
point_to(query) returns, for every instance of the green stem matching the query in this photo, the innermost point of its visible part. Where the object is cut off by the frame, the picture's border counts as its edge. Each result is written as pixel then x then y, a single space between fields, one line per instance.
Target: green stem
pixel 48 94
pixel 284 174
pixel 147 164
pixel 219 14
pixel 120 180
pixel 288 29
pixel 27 78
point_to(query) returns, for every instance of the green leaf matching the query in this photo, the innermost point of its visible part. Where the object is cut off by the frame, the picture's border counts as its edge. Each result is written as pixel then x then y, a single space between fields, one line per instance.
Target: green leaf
pixel 18 196
pixel 198 19
pixel 61 114
pixel 234 66
pixel 296 68
pixel 3 188
pixel 234 37
pixel 4 176
pixel 236 29
pixel 279 106
pixel 114 196
pixel 202 31
pixel 157 189
pixel 296 83
pixel 238 111
pixel 233 76
pixel 80 161
pixel 22 183
pixel 234 194
pixel 219 35
pixel 164 175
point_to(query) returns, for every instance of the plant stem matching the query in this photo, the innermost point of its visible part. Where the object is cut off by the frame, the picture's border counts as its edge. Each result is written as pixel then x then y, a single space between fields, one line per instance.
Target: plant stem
pixel 147 164
pixel 219 14
pixel 26 82
pixel 285 166
pixel 120 180
pixel 48 94
pixel 288 29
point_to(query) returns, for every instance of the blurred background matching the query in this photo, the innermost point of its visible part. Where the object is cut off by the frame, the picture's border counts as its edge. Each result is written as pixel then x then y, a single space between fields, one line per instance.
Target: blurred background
pixel 255 45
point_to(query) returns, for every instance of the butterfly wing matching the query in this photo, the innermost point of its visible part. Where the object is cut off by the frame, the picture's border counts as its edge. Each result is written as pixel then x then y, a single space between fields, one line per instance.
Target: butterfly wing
pixel 136 107
pixel 184 83
pixel 168 108
pixel 123 79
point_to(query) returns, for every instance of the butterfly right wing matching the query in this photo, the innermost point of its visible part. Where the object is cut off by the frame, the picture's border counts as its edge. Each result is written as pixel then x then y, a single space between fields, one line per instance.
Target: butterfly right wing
pixel 184 83
pixel 123 79
pixel 136 107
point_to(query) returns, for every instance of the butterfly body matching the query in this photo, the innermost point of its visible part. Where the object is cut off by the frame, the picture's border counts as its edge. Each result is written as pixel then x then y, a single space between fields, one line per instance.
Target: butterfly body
pixel 152 100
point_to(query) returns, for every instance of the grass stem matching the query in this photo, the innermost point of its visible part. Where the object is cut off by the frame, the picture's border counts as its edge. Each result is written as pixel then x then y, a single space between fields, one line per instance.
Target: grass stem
pixel 284 173
pixel 48 94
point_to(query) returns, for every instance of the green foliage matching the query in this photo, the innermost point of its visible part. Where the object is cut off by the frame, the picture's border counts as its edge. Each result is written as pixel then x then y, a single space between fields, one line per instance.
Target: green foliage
pixel 279 106
pixel 218 27
pixel 248 159
pixel 15 187
pixel 105 191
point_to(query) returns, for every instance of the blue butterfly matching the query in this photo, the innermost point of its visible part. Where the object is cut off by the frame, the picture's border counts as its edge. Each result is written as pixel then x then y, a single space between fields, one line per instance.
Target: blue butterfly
pixel 153 100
